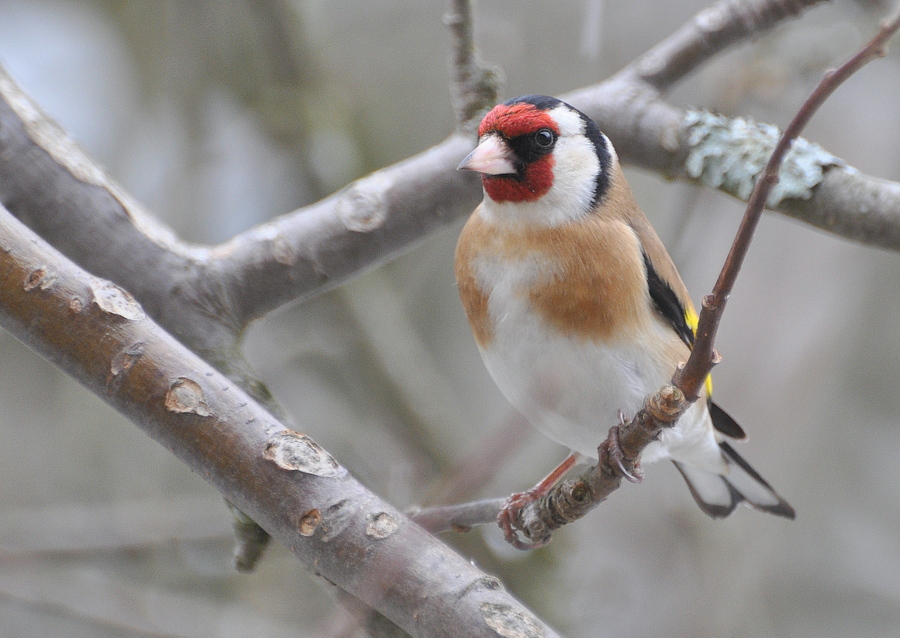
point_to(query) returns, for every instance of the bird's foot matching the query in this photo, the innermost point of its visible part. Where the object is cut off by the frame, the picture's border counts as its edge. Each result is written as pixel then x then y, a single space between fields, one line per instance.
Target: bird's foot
pixel 617 455
pixel 509 519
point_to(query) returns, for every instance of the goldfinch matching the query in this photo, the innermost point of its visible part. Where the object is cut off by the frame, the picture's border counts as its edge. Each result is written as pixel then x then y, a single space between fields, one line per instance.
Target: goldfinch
pixel 577 308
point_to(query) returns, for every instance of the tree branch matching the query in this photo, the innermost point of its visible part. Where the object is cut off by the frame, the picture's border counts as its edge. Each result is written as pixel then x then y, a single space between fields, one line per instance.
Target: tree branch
pixel 703 356
pixel 100 335
pixel 708 33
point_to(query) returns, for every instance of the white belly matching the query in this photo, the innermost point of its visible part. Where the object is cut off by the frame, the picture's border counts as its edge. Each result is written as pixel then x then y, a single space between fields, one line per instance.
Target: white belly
pixel 572 389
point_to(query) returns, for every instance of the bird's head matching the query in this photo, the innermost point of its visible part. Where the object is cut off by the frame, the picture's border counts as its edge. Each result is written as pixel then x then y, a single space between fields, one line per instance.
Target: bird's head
pixel 541 160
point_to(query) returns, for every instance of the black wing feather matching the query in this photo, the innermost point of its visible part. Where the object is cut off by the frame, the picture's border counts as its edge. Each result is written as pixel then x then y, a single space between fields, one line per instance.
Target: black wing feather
pixel 723 422
pixel 667 304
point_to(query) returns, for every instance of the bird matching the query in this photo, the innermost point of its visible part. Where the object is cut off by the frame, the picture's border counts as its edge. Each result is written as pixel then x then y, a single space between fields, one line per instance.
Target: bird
pixel 577 308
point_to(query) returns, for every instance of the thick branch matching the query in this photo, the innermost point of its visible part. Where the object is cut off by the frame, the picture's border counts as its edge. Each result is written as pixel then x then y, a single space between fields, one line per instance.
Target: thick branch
pixel 99 334
pixel 370 222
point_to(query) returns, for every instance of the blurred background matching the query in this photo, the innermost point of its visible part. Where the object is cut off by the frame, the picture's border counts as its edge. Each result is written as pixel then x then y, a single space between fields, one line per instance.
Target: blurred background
pixel 219 115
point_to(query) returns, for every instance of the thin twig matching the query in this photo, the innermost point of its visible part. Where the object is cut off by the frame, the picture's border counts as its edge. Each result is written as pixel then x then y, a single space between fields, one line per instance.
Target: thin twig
pixel 475 84
pixel 703 357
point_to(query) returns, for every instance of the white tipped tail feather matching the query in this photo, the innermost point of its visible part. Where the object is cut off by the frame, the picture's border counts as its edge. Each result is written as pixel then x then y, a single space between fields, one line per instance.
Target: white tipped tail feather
pixel 718 495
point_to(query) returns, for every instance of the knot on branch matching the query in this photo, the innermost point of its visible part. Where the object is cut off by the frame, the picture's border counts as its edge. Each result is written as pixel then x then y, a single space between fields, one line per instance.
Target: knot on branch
pixel 660 410
pixel 666 405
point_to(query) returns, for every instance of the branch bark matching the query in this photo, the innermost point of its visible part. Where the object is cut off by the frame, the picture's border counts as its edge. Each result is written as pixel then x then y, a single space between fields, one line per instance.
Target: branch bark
pixel 100 335
pixel 703 356
pixel 475 85
pixel 708 33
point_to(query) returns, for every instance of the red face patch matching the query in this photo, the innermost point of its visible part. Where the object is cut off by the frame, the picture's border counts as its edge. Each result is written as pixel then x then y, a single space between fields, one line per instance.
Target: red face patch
pixel 533 185
pixel 512 121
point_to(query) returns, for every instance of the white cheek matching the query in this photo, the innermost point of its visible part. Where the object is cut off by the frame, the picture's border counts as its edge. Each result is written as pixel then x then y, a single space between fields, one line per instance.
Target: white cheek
pixel 574 177
pixel 568 121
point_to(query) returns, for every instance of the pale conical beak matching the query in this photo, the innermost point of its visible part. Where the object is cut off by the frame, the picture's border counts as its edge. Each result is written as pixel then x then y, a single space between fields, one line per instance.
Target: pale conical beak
pixel 492 157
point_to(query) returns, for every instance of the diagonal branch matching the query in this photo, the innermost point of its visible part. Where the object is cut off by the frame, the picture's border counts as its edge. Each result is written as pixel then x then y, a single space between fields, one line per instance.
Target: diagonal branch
pixel 708 33
pixel 703 357
pixel 100 335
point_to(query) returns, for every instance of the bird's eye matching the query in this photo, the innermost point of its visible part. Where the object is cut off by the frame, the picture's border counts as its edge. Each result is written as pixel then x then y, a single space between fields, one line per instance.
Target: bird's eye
pixel 544 138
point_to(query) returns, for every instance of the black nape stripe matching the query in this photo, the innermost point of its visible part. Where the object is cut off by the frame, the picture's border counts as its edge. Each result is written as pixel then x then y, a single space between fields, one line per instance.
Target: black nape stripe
pixel 596 137
pixel 667 304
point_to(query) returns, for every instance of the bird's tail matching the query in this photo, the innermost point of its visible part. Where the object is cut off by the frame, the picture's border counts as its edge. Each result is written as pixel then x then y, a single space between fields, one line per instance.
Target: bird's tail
pixel 718 495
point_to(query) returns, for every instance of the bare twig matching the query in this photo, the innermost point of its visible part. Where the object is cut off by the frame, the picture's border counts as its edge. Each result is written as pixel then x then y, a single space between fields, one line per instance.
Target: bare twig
pixel 475 84
pixel 703 357
pixel 460 517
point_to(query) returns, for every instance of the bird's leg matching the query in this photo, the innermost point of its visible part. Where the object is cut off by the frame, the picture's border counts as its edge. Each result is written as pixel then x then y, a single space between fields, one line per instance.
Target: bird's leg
pixel 511 509
pixel 615 453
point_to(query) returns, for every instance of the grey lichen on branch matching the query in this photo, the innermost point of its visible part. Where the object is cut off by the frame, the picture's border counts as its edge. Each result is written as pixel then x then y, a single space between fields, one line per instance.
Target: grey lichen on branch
pixel 730 153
